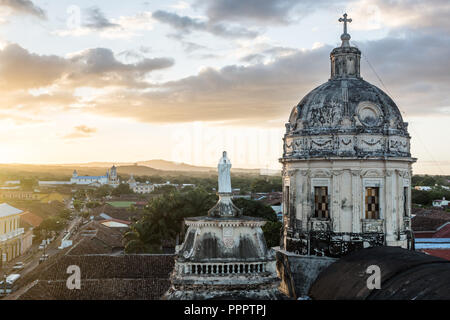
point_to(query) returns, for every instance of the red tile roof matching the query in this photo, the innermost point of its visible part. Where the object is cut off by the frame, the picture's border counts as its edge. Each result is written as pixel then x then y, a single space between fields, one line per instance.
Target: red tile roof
pixel 441 253
pixel 31 218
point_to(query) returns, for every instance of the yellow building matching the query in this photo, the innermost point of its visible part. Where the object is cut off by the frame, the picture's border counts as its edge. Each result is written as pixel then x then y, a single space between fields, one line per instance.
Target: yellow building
pixel 30 195
pixel 10 233
pixel 19 195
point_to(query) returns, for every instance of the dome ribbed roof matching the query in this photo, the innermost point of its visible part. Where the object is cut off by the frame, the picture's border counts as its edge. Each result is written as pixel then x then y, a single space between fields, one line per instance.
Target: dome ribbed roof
pixel 346 116
pixel 347 104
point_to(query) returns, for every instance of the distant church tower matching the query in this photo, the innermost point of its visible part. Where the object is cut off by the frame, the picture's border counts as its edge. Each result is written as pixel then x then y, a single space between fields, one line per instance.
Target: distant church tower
pixel 346 165
pixel 113 179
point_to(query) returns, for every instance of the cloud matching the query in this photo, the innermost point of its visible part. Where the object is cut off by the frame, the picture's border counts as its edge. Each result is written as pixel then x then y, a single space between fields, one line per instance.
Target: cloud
pixel 414 69
pixel 180 5
pixel 44 84
pixel 98 67
pixel 96 19
pixel 186 25
pixel 24 7
pixel 253 94
pixel 366 14
pixel 260 11
pixel 97 23
pixel 81 131
pixel 20 69
pixel 263 93
pixel 413 14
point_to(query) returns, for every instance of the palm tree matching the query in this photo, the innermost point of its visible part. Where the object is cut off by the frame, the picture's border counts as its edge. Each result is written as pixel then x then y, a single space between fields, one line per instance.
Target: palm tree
pixel 164 219
pixel 141 239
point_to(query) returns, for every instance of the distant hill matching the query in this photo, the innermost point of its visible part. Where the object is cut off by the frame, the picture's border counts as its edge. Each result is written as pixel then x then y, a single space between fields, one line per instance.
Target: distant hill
pixel 141 168
pixel 137 170
pixel 158 164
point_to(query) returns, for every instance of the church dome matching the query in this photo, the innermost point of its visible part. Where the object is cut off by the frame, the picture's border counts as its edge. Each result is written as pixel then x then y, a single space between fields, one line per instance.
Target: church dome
pixel 363 105
pixel 346 116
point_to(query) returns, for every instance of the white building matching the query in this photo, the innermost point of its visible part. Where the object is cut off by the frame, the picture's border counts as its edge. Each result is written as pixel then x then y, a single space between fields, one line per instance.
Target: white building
pixel 423 188
pixel 110 178
pixel 346 165
pixel 139 187
pixel 441 203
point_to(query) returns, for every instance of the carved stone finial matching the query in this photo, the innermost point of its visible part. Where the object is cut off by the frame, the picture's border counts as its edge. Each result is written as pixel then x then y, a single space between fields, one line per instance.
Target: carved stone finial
pixel 345 37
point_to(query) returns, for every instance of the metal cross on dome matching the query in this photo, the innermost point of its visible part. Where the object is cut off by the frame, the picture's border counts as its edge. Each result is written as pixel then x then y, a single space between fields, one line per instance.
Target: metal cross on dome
pixel 345 20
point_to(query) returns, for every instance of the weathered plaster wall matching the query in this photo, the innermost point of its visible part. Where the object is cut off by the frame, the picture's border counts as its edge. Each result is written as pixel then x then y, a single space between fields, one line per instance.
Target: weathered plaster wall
pixel 298 273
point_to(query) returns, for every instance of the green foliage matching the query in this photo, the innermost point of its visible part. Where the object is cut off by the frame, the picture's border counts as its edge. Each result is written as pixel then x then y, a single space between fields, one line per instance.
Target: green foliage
pixel 254 208
pixel 163 219
pixel 93 204
pixel 165 189
pixel 84 214
pixel 64 214
pixel 428 180
pixel 78 204
pixel 80 195
pixel 103 191
pixel 122 188
pixel 266 185
pixel 52 224
pixel 272 233
pixel 143 238
pixel 427 197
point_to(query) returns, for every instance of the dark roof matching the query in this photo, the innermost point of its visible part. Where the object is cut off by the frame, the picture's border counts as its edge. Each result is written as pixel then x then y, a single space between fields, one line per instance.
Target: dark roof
pixel 95 238
pixel 105 289
pixel 428 219
pixel 117 213
pixel 405 275
pixel 102 277
pixel 422 223
pixel 134 266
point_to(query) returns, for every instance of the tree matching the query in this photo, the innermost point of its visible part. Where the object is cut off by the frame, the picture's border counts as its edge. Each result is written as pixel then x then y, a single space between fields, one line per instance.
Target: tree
pixel 80 194
pixel 92 204
pixel 64 214
pixel 428 181
pixel 142 239
pixel 266 185
pixel 122 188
pixel 164 189
pixel 254 208
pixel 50 225
pixel 272 227
pixel 78 205
pixel 164 217
pixel 272 233
pixel 103 191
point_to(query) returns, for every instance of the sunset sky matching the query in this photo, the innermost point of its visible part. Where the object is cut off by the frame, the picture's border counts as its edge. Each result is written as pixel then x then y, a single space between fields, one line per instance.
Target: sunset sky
pixel 117 81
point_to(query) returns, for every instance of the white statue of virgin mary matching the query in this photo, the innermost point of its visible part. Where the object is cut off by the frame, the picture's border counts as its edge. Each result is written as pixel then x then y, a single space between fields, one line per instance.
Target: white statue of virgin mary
pixel 224 167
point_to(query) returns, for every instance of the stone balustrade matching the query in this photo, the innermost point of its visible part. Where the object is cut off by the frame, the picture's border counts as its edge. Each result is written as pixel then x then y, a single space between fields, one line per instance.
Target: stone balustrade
pixel 223 269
